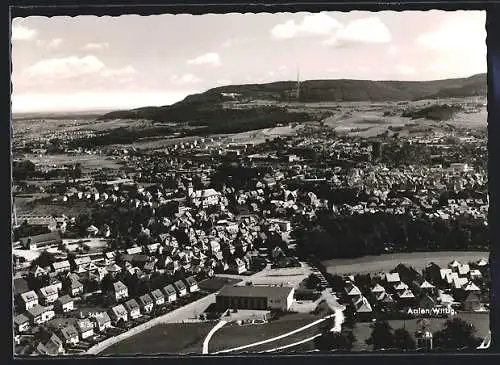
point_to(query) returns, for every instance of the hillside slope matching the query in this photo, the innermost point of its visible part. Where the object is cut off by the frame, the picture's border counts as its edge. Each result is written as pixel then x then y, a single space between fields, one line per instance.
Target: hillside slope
pixel 218 107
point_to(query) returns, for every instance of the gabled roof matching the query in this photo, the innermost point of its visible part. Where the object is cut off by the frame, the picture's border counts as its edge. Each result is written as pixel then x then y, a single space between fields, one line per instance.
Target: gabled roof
pixel 119 310
pixel 20 319
pixel 471 287
pixel 444 272
pixel 145 299
pixel 400 286
pixel 169 289
pixel 102 318
pixel 180 285
pixel 463 269
pixel 84 325
pixel 29 296
pixel 65 299
pixel 378 289
pixel 61 265
pixel 392 277
pixel 191 281
pixel 352 289
pixel 157 294
pixel 49 290
pixel 426 285
pixel 407 294
pixel 131 304
pixel 483 262
pixel 363 306
pixel 454 263
pixel 69 332
pixel 117 286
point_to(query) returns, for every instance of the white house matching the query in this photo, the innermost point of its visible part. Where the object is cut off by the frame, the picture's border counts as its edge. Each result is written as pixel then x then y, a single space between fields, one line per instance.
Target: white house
pixel 39 314
pixel 30 299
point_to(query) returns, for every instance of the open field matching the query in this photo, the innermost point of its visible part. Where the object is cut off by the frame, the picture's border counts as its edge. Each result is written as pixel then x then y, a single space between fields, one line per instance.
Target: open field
pixel 71 210
pixel 87 162
pixel 382 263
pixel 216 283
pixel 171 338
pixel 233 335
pixel 362 330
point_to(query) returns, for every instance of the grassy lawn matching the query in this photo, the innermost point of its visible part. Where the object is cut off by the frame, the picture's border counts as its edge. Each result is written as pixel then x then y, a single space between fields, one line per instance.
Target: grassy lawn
pixel 232 335
pixel 362 331
pixel 382 263
pixel 216 283
pixel 296 337
pixel 172 338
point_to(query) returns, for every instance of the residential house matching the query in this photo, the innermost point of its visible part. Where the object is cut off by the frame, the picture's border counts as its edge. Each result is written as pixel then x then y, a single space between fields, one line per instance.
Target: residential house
pixel 352 290
pixel 29 299
pixel 74 287
pixel 192 284
pixel 470 287
pixel 80 264
pixel 378 291
pixel 109 258
pixel 146 303
pixel 454 265
pixel 53 347
pixel 40 314
pixel 120 291
pixel 85 328
pixel 69 335
pixel 362 307
pixel 38 271
pixel 180 287
pixel 102 321
pixel 472 302
pixel 56 282
pixel 133 308
pixel 21 322
pixel 463 270
pixel 48 294
pixel 475 274
pixel 406 298
pixel 238 267
pixel 61 266
pixel 170 293
pixel 392 279
pixel 158 297
pixel 65 303
pixel 118 313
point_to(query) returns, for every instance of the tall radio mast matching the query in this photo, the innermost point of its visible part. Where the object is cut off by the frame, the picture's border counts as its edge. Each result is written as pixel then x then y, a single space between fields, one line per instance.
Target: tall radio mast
pixel 297 92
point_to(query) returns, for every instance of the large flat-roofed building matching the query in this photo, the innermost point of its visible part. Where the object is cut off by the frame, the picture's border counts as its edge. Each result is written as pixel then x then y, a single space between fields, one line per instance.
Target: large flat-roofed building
pixel 255 297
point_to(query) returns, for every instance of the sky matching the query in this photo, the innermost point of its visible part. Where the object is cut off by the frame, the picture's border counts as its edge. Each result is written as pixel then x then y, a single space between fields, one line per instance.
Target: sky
pixel 97 63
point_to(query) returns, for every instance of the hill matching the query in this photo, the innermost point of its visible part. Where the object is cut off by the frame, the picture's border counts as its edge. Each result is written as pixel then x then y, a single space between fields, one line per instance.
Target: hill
pixel 242 107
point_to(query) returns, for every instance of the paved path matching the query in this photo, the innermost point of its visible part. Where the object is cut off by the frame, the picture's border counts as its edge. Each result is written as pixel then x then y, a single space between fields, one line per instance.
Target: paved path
pixel 210 334
pixel 337 327
pixel 277 337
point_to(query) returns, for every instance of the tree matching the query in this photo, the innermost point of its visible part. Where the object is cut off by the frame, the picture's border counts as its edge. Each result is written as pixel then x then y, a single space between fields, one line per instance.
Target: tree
pixel 456 334
pixel 382 336
pixel 329 341
pixel 403 339
pixel 45 259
